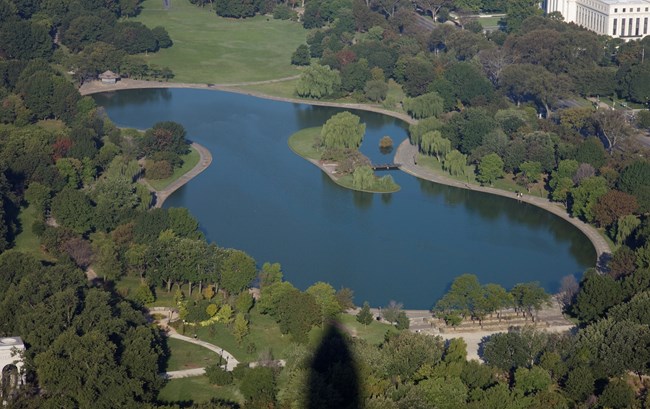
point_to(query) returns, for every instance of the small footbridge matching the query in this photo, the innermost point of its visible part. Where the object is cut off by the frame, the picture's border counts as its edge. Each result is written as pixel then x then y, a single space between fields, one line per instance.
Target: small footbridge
pixel 386 166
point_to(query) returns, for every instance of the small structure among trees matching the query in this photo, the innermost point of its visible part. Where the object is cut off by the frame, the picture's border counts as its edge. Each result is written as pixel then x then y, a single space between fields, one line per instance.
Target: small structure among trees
pixel 109 77
pixel 10 366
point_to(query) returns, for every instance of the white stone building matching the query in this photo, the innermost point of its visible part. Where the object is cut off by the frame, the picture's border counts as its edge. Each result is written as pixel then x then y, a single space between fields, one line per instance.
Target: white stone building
pixel 10 366
pixel 626 19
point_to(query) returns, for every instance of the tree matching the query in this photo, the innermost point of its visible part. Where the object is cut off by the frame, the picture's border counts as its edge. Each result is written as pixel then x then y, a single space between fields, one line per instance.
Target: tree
pixel 591 151
pixel 433 143
pixel 301 56
pixel 529 297
pixel 325 296
pixel 455 163
pixel 270 274
pixel 258 386
pixel 585 196
pixel 532 381
pixel 622 263
pixel 579 384
pixel 73 209
pixel 490 168
pixel 235 8
pixel 512 350
pixel 613 205
pixel 518 11
pixel 240 327
pixel 365 316
pixel 464 296
pixel 597 294
pixel 391 312
pixel 424 106
pixel 25 40
pixel 318 81
pixel 237 271
pixel 635 180
pixel 355 75
pixel 617 395
pixel 561 180
pixel 532 171
pixel 613 126
pixel 343 130
pixel 363 178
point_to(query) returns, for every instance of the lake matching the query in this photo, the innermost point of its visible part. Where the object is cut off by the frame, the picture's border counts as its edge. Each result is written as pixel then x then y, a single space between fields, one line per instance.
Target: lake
pixel 408 246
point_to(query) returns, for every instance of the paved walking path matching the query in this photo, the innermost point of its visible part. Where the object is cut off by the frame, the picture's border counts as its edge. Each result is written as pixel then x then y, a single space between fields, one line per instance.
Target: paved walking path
pixel 406 154
pixel 205 159
pixel 231 361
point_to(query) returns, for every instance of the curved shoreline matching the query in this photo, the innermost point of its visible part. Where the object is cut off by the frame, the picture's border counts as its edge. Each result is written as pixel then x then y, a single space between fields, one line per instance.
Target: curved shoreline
pixel 406 153
pixel 205 159
pixel 96 87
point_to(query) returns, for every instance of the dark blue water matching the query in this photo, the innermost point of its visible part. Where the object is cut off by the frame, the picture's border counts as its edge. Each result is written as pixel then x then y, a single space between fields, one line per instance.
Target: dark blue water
pixel 408 246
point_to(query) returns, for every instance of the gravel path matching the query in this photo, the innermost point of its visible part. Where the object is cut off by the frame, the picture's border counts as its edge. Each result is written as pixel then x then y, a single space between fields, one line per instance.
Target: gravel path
pixel 406 154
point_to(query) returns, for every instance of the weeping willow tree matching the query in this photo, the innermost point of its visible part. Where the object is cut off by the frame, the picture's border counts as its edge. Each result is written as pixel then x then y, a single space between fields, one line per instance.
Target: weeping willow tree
pixel 343 130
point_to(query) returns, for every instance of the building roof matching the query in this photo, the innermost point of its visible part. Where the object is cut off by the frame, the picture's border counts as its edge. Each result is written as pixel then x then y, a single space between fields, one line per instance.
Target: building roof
pixel 11 342
pixel 635 2
pixel 108 75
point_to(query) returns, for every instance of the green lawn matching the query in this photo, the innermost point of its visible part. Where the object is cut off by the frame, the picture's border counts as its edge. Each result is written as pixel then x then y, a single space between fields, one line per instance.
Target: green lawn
pixel 373 333
pixel 211 49
pixel 302 143
pixel 185 355
pixel 197 389
pixel 489 22
pixel 27 241
pixel 189 161
pixel 264 333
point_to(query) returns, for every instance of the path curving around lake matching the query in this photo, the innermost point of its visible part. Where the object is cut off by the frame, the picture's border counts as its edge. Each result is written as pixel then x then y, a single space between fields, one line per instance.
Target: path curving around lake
pixel 406 154
pixel 205 159
pixel 97 87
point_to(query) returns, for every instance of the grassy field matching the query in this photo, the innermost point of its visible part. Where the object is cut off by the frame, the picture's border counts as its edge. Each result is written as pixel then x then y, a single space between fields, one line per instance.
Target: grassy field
pixel 27 241
pixel 197 389
pixel 189 161
pixel 211 49
pixel 185 355
pixel 373 333
pixel 302 143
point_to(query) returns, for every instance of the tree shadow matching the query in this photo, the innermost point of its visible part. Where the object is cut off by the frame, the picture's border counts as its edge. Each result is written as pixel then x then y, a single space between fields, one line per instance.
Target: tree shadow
pixel 333 375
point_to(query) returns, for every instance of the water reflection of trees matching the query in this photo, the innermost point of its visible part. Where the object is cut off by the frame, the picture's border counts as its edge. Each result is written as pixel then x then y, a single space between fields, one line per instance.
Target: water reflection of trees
pixel 492 207
pixel 311 115
pixel 132 96
pixel 362 200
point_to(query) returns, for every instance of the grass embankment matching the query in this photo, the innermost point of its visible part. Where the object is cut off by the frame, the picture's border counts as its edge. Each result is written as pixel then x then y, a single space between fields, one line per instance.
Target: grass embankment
pixel 507 183
pixel 190 160
pixel 302 143
pixel 197 389
pixel 211 49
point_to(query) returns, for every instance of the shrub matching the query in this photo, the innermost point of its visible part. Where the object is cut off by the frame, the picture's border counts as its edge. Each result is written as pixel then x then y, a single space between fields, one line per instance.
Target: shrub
pixel 218 376
pixel 284 12
pixel 143 295
pixel 643 119
pixel 386 143
pixel 301 56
